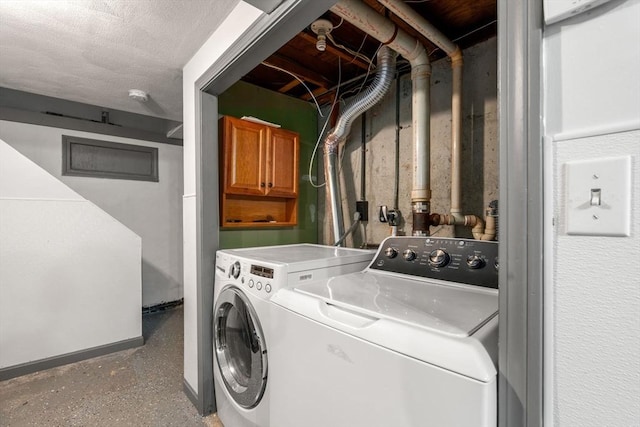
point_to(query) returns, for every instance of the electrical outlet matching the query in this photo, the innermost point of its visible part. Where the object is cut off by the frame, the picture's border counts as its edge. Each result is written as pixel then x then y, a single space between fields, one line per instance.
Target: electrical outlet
pixel 362 207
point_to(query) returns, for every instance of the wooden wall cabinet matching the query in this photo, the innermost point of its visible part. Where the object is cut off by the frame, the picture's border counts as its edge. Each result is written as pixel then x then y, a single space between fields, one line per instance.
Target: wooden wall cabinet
pixel 258 174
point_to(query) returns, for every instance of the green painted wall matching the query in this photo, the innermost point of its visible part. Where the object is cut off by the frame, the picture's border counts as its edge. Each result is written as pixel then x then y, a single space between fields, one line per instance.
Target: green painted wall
pixel 243 99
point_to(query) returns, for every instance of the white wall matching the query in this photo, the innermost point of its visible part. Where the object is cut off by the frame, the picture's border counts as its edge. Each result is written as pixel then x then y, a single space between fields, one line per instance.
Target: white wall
pixel 151 209
pixel 592 110
pixel 69 273
pixel 238 21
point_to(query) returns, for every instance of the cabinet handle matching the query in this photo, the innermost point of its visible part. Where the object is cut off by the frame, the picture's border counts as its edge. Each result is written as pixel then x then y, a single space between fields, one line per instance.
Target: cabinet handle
pixel 262 184
pixel 270 184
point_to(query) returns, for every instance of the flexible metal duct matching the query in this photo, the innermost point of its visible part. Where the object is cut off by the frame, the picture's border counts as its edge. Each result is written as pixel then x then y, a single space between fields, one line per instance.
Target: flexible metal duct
pixel 358 105
pixel 384 30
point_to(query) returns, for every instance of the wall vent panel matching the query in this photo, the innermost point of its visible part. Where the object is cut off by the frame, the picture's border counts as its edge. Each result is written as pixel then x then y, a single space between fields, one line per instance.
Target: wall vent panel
pixel 105 159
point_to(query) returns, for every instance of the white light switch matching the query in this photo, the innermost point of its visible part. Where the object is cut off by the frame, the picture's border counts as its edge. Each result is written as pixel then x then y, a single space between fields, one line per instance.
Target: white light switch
pixel 599 197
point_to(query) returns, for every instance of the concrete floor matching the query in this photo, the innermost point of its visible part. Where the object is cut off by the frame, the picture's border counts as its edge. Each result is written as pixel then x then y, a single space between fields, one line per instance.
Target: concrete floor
pixel 136 387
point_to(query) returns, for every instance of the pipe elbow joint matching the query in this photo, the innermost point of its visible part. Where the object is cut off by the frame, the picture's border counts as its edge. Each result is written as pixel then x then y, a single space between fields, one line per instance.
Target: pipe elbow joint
pixel 456 57
pixel 422 70
pixel 477 229
pixel 456 218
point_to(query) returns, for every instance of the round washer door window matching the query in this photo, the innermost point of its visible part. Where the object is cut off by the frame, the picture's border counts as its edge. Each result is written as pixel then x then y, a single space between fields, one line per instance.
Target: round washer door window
pixel 240 348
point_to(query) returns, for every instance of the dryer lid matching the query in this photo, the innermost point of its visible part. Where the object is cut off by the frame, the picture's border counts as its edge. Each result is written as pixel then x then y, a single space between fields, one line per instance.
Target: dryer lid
pixel 443 307
pixel 303 256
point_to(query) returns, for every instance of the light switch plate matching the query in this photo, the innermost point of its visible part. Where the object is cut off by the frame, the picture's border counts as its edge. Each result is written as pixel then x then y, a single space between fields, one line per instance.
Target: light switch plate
pixel 599 197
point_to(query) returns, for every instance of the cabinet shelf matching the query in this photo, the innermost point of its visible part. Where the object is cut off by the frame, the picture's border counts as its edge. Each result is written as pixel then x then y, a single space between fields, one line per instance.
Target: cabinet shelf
pixel 255 211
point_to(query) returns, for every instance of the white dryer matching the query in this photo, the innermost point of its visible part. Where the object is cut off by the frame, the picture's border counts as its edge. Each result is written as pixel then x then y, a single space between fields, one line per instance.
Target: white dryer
pixel 244 283
pixel 409 341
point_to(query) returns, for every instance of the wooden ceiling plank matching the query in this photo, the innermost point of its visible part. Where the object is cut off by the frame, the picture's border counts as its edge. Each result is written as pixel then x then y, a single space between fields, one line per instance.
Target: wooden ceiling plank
pixel 355 61
pixel 299 70
pixel 316 92
pixel 286 88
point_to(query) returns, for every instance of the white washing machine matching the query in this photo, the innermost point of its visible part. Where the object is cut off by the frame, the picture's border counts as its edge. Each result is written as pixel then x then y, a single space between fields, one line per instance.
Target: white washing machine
pixel 409 341
pixel 244 283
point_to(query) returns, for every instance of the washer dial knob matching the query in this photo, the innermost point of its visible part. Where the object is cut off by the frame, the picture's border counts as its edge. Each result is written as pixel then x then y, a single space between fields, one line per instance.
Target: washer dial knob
pixel 235 270
pixel 475 262
pixel 438 258
pixel 391 252
pixel 409 255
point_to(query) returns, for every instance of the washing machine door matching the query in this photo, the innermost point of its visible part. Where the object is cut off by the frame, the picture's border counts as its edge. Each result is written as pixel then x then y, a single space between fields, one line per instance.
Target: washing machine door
pixel 240 347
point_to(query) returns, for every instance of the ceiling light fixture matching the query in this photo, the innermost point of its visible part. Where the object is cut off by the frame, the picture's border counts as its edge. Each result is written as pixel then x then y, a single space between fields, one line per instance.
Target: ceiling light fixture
pixel 138 95
pixel 321 27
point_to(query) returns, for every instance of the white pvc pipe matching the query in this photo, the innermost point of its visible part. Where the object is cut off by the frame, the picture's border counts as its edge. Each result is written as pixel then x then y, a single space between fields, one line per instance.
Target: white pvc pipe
pixel 382 29
pixel 420 95
pixel 424 27
pixel 420 24
pixel 456 133
pixel 479 229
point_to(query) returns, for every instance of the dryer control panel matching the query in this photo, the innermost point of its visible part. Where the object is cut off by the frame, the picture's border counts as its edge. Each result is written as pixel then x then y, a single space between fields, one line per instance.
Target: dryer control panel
pixel 472 262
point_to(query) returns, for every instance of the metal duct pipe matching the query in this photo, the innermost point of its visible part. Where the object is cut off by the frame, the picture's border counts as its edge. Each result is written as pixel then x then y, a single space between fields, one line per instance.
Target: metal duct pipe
pixel 358 105
pixel 382 29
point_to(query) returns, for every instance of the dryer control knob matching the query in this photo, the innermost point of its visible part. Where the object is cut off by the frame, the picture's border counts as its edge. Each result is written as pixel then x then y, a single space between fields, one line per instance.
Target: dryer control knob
pixel 409 255
pixel 475 262
pixel 259 286
pixel 391 252
pixel 251 283
pixel 267 288
pixel 235 270
pixel 438 258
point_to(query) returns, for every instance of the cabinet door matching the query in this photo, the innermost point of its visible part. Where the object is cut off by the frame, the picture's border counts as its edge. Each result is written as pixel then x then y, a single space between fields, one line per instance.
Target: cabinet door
pixel 244 157
pixel 282 163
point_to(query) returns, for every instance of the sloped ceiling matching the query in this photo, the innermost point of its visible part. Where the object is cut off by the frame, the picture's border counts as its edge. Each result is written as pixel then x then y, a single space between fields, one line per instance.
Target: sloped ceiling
pixel 94 51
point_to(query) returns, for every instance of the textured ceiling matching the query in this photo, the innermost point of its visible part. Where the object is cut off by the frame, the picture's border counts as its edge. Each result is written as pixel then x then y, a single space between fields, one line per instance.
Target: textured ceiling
pixel 94 51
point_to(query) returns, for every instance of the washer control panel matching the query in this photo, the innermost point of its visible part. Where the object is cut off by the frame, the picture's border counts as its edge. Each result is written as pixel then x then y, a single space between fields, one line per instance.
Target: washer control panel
pixel 473 262
pixel 247 275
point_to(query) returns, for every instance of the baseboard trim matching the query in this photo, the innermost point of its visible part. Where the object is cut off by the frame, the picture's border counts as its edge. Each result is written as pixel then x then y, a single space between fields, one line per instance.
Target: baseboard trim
pixel 191 394
pixel 162 306
pixel 65 359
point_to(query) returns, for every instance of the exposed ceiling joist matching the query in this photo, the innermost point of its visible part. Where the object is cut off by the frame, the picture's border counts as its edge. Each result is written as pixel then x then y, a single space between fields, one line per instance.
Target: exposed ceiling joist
pixel 467 23
pixel 306 74
pixel 286 88
pixel 336 51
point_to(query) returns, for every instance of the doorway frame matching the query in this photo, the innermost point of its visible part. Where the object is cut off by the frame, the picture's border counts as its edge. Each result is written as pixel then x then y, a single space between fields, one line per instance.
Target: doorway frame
pixel 265 36
pixel 521 233
pixel 521 194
